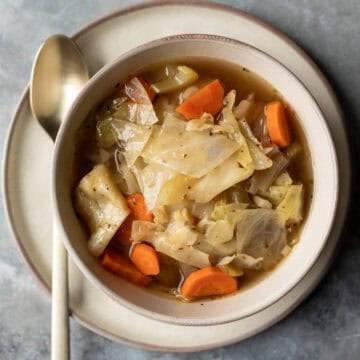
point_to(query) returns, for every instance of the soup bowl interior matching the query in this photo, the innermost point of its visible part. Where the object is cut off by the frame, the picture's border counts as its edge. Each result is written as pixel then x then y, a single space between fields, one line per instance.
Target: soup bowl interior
pixel 315 230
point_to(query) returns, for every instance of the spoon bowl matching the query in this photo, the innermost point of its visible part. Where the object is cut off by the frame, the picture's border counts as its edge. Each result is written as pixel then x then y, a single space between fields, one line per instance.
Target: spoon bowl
pixel 58 74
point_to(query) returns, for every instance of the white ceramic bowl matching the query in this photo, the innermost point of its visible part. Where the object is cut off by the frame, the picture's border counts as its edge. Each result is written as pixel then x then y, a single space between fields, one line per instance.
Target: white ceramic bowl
pixel 317 225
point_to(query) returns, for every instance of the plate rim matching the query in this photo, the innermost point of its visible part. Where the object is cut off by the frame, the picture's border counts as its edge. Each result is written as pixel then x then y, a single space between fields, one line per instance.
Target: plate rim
pixel 92 25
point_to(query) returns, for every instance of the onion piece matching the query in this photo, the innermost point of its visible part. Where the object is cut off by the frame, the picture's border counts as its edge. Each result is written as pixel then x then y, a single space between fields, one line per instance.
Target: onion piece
pixel 260 160
pixel 261 180
pixel 246 130
pixel 260 131
pixel 243 109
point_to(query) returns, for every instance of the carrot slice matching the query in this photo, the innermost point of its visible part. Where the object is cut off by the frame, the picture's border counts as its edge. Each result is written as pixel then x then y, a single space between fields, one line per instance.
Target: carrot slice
pixel 277 124
pixel 145 259
pixel 122 266
pixel 208 281
pixel 138 211
pixel 137 206
pixel 208 99
pixel 123 234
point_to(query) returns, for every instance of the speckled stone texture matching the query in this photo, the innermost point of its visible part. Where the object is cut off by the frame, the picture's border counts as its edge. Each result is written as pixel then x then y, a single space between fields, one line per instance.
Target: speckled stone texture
pixel 327 324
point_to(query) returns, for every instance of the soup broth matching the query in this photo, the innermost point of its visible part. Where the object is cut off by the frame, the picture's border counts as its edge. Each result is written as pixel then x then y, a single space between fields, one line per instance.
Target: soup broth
pixel 176 198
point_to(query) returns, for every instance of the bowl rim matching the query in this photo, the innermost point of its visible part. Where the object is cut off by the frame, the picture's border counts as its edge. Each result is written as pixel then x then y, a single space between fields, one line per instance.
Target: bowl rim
pixel 57 214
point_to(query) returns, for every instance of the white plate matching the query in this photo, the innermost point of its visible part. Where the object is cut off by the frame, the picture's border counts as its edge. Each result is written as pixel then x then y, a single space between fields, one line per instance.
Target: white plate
pixel 28 160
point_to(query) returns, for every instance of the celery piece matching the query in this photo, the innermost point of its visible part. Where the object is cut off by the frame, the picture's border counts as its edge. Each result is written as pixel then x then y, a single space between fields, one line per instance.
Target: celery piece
pixel 184 76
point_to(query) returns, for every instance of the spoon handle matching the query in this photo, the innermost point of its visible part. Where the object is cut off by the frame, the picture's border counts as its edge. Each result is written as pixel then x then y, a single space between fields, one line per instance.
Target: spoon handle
pixel 59 313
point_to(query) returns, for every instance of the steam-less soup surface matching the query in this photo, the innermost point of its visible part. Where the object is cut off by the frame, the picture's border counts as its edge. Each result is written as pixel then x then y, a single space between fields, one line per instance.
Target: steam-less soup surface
pixel 192 178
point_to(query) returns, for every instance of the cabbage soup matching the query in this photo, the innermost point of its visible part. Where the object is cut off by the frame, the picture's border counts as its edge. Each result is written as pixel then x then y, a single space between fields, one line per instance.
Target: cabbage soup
pixel 193 178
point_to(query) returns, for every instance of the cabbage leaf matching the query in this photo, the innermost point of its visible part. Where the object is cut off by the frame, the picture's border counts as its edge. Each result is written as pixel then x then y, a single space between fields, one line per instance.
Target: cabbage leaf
pixel 132 137
pixel 192 153
pixel 239 262
pixel 141 110
pixel 291 207
pixel 101 205
pixel 261 233
pixel 221 178
pixel 176 241
pixel 173 191
pixel 151 178
pixel 228 117
pixel 186 254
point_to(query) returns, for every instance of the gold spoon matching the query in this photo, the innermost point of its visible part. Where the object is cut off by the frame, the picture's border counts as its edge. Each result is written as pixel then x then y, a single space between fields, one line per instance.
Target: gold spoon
pixel 58 74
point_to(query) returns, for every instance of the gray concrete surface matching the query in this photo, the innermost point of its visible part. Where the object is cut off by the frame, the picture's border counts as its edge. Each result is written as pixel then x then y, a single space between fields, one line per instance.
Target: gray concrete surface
pixel 327 324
